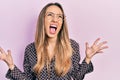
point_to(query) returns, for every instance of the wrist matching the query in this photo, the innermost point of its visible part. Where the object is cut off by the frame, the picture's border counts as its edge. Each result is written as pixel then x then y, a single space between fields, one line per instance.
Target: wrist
pixel 11 67
pixel 87 60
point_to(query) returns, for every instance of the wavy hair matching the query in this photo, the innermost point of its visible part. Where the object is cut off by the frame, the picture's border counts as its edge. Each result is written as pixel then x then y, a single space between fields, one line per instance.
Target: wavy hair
pixel 63 49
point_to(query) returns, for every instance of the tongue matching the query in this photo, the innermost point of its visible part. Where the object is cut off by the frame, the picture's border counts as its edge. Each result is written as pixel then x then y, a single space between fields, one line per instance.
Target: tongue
pixel 52 30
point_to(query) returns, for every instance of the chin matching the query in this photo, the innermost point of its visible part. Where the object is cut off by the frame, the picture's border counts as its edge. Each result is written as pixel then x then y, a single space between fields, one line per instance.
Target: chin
pixel 52 36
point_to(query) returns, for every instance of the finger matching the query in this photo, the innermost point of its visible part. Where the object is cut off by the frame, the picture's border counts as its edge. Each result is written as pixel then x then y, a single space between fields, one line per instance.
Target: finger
pixel 1 50
pixel 87 45
pixel 102 43
pixel 0 56
pixel 96 41
pixel 104 47
pixel 9 52
pixel 99 51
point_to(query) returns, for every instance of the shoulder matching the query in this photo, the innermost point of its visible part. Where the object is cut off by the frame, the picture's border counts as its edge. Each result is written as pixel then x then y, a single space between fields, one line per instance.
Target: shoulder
pixel 74 43
pixel 30 54
pixel 30 47
pixel 76 51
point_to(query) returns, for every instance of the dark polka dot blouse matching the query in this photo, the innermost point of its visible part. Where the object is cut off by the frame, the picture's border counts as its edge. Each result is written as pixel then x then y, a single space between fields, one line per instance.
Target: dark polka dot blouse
pixel 77 71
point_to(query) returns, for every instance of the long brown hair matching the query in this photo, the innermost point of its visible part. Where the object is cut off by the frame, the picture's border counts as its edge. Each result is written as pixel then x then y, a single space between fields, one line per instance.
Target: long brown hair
pixel 63 49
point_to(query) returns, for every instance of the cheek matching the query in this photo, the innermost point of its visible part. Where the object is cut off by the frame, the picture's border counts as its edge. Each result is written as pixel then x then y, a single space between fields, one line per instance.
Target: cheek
pixel 60 25
pixel 46 23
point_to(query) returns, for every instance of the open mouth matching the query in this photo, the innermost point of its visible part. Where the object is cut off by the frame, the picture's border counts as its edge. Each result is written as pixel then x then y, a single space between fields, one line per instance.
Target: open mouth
pixel 53 29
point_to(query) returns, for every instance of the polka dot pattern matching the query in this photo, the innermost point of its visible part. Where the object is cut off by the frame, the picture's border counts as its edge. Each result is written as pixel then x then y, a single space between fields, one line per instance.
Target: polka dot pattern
pixel 77 71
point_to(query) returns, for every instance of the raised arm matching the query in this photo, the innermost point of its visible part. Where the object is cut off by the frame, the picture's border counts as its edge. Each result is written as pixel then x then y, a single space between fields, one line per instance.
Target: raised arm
pixel 79 70
pixel 7 58
pixel 14 73
pixel 95 48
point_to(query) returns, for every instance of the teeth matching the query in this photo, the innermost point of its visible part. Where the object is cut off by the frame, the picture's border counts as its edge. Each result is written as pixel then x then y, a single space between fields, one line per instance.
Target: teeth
pixel 53 29
pixel 53 25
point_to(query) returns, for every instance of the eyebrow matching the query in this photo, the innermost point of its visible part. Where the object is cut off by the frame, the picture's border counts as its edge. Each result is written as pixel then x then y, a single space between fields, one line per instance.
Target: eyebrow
pixel 54 13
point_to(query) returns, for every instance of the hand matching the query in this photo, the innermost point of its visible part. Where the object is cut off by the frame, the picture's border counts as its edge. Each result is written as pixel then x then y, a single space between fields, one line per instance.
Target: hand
pixel 7 58
pixel 94 49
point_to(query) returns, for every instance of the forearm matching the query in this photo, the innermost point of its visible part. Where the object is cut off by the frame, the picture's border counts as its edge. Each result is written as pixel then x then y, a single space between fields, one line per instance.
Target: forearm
pixel 85 66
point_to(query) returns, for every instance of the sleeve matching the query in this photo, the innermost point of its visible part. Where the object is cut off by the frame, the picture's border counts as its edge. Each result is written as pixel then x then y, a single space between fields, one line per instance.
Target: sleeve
pixel 17 74
pixel 79 70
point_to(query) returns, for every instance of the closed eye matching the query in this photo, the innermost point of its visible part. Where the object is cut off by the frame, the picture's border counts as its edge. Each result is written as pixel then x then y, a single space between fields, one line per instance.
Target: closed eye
pixel 50 14
pixel 60 16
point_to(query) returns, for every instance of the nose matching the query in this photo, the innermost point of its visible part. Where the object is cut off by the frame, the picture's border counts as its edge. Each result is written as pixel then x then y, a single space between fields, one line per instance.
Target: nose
pixel 55 18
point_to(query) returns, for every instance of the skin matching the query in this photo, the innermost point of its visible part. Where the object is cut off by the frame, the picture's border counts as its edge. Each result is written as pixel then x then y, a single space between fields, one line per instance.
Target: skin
pixel 52 21
pixel 95 48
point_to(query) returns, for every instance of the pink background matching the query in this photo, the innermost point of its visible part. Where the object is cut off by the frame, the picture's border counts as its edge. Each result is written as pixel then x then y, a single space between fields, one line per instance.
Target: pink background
pixel 87 20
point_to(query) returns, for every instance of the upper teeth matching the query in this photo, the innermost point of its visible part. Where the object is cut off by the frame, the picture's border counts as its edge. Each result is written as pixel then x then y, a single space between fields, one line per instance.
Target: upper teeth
pixel 53 25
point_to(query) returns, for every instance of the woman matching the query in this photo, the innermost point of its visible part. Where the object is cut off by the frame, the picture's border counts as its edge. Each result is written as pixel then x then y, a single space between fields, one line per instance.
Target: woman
pixel 53 56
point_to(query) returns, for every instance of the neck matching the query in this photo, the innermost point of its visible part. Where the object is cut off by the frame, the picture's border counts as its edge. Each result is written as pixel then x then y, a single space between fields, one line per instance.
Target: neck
pixel 51 47
pixel 52 41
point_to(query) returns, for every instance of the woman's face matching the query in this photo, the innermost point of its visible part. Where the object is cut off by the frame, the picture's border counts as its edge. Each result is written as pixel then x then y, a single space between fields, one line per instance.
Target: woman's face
pixel 53 21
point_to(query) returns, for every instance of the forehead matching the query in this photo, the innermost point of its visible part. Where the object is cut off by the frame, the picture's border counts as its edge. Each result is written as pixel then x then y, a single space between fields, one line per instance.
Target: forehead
pixel 54 9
